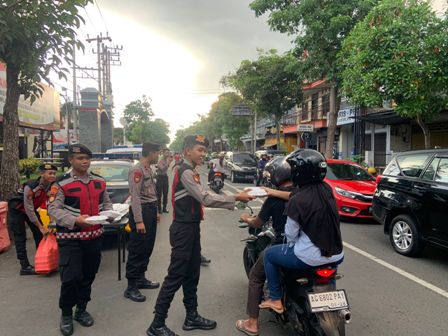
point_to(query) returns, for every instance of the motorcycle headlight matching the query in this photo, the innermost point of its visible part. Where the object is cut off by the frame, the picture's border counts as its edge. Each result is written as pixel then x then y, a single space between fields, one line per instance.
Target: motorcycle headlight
pixel 346 193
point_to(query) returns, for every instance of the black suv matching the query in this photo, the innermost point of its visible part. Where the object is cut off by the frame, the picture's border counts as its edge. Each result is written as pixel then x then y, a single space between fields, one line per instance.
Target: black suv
pixel 240 166
pixel 411 200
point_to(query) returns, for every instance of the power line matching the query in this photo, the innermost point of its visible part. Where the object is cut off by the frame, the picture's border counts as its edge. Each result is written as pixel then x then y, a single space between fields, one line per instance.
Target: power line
pixel 91 22
pixel 101 14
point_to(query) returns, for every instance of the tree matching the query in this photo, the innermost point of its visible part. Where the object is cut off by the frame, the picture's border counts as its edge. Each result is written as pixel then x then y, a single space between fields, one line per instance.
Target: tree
pixel 270 85
pixel 36 38
pixel 399 52
pixel 118 135
pixel 140 128
pixel 320 27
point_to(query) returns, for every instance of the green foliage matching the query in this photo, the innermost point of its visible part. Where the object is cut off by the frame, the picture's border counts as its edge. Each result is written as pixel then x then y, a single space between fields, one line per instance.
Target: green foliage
pixel 398 52
pixel 29 165
pixel 38 37
pixel 271 85
pixel 140 128
pixel 319 27
pixel 139 110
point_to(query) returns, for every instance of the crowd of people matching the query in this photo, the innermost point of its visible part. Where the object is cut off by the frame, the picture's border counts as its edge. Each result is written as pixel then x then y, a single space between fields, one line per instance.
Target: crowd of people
pixel 302 209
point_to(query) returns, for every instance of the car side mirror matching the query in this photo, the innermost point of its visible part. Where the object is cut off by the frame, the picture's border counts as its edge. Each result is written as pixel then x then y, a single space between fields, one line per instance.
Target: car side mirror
pixel 378 179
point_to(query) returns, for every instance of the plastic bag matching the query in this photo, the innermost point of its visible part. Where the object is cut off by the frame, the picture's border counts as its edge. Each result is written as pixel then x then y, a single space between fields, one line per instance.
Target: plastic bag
pixel 46 260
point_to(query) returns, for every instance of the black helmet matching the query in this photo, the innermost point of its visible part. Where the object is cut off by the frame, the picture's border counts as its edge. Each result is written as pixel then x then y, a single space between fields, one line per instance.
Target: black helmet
pixel 307 166
pixel 279 170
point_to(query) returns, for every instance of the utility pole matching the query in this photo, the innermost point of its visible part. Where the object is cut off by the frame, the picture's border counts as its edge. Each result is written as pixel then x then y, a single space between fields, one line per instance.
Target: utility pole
pixel 75 100
pixel 99 51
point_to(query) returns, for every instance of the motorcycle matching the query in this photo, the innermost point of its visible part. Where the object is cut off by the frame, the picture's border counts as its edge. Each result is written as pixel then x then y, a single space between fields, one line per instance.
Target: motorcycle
pixel 313 304
pixel 217 182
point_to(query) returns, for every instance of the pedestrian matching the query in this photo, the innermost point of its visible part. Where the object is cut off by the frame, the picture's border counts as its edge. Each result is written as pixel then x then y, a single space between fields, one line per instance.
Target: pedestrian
pixel 76 196
pixel 189 197
pixel 23 209
pixel 162 180
pixel 143 219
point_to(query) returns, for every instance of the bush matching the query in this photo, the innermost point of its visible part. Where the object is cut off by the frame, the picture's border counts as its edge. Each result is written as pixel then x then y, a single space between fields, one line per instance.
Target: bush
pixel 28 166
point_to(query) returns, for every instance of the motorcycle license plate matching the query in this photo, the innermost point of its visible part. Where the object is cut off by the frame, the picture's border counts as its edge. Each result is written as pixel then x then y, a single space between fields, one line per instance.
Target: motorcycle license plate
pixel 328 301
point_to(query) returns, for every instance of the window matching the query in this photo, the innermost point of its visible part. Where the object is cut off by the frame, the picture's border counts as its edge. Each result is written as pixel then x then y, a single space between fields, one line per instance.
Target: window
pixel 412 165
pixel 325 105
pixel 442 171
pixel 392 168
pixel 305 115
pixel 431 170
pixel 349 172
pixel 315 106
pixel 244 158
pixel 111 172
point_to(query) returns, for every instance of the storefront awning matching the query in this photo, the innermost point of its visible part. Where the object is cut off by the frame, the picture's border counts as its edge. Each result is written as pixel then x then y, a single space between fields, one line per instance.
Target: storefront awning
pixel 291 129
pixel 389 117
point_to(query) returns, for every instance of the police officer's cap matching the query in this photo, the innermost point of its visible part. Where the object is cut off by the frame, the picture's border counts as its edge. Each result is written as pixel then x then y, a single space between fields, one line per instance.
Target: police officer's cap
pixel 79 149
pixel 150 147
pixel 191 140
pixel 47 166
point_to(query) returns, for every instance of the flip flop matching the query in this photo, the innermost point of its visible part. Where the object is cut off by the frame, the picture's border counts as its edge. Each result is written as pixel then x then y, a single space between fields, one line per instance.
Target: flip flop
pixel 266 305
pixel 241 327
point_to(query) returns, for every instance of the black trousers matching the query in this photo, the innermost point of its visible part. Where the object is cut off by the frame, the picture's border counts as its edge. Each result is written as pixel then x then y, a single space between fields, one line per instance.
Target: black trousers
pixel 141 245
pixel 79 261
pixel 162 187
pixel 16 221
pixel 184 270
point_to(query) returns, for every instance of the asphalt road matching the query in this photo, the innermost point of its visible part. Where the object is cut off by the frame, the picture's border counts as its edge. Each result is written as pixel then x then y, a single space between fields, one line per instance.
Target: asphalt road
pixel 389 294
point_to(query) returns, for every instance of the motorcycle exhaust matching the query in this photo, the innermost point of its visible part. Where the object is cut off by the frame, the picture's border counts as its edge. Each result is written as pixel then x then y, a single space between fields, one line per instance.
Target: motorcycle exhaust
pixel 346 315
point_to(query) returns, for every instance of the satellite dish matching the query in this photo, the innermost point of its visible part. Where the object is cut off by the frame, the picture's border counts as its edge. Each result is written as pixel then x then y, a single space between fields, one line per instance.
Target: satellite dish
pixel 123 122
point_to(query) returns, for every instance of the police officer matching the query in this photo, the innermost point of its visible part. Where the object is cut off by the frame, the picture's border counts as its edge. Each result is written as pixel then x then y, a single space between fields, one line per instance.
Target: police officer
pixel 23 209
pixel 76 196
pixel 162 180
pixel 143 221
pixel 189 198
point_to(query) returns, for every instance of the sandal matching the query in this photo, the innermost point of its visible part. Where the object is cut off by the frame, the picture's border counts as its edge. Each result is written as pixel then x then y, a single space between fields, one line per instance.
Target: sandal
pixel 269 305
pixel 241 326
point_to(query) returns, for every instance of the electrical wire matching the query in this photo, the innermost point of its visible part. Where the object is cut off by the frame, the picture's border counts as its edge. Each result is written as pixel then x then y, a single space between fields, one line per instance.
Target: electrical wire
pixel 101 14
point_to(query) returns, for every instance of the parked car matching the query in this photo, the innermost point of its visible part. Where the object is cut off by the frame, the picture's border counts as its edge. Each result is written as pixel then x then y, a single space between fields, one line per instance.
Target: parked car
pixel 115 172
pixel 273 152
pixel 411 200
pixel 240 166
pixel 353 188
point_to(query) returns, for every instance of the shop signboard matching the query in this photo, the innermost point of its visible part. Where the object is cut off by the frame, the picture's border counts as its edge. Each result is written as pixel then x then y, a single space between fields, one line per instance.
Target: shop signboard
pixel 346 116
pixel 305 128
pixel 43 114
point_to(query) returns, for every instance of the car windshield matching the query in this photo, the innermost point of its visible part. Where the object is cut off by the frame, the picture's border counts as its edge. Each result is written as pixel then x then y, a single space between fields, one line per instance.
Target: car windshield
pixel 111 172
pixel 246 159
pixel 344 171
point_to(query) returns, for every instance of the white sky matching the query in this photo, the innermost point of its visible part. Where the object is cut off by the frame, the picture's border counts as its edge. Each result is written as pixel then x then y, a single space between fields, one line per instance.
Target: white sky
pixel 175 51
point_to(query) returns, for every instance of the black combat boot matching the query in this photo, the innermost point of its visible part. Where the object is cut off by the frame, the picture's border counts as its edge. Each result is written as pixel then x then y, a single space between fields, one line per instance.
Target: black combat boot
pixel 132 292
pixel 27 270
pixel 205 261
pixel 144 283
pixel 83 317
pixel 195 321
pixel 160 331
pixel 66 325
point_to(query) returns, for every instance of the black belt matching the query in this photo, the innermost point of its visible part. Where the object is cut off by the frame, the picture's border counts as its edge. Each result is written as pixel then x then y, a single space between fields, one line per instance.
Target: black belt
pixel 150 204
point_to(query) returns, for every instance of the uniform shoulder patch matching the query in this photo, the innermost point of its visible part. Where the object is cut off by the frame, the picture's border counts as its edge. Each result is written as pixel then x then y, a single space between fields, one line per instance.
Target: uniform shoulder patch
pixel 137 176
pixel 53 192
pixel 197 178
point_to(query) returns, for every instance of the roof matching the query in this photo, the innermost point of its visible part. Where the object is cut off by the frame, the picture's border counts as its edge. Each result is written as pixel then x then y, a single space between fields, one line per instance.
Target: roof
pixel 426 151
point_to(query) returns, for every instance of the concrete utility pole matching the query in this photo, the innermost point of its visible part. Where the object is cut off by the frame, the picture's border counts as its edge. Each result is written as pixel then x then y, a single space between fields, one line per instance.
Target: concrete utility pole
pixel 99 51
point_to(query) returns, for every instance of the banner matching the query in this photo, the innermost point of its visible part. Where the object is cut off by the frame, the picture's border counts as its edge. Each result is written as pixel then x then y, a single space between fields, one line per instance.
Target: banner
pixel 43 114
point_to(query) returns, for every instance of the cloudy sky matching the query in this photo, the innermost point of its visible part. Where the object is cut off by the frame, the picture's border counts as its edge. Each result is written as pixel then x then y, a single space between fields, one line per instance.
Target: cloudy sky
pixel 176 51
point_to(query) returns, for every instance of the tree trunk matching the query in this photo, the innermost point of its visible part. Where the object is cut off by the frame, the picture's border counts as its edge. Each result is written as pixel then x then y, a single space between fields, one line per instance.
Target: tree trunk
pixel 277 127
pixel 426 132
pixel 335 103
pixel 9 175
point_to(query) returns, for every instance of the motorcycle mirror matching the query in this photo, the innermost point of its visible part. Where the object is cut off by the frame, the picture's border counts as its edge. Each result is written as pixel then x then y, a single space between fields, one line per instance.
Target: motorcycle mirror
pixel 241 205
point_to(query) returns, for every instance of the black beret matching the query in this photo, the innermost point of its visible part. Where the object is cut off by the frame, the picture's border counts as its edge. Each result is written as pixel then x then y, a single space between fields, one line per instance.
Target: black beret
pixel 79 149
pixel 47 166
pixel 150 147
pixel 196 140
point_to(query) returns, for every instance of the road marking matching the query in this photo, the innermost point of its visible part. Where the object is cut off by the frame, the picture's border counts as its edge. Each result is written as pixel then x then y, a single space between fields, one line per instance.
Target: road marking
pixel 219 209
pixel 398 270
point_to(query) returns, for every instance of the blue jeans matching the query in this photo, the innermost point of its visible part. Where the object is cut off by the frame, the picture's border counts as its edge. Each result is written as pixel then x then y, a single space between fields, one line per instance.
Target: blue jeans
pixel 280 255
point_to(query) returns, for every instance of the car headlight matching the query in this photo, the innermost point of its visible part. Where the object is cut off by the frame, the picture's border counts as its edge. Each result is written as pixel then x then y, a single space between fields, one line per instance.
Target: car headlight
pixel 346 193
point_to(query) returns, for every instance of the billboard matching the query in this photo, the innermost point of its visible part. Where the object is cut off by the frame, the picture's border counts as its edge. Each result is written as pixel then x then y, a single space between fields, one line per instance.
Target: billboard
pixel 43 114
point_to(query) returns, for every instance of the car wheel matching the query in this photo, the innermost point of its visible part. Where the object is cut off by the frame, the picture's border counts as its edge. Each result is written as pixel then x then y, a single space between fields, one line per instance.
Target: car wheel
pixel 404 236
pixel 232 177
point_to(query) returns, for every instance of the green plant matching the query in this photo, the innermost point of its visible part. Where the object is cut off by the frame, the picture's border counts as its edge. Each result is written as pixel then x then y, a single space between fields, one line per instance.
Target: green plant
pixel 28 166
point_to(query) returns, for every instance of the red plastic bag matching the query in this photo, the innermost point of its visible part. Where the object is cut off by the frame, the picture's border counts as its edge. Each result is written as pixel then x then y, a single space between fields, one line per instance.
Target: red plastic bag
pixel 46 260
pixel 5 242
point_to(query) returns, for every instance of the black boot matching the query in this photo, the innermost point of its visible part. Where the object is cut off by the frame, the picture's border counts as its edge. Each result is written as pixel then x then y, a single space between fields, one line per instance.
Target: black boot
pixel 83 317
pixel 161 331
pixel 144 283
pixel 195 321
pixel 27 270
pixel 132 292
pixel 205 261
pixel 66 325
pixel 165 211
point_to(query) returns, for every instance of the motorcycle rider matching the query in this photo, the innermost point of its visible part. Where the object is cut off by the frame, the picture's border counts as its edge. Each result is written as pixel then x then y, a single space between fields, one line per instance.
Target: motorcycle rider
pixel 217 166
pixel 261 165
pixel 273 207
pixel 312 227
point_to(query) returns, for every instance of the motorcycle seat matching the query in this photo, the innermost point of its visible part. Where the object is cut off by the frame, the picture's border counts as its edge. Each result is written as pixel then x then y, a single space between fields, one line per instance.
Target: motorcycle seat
pixel 293 273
